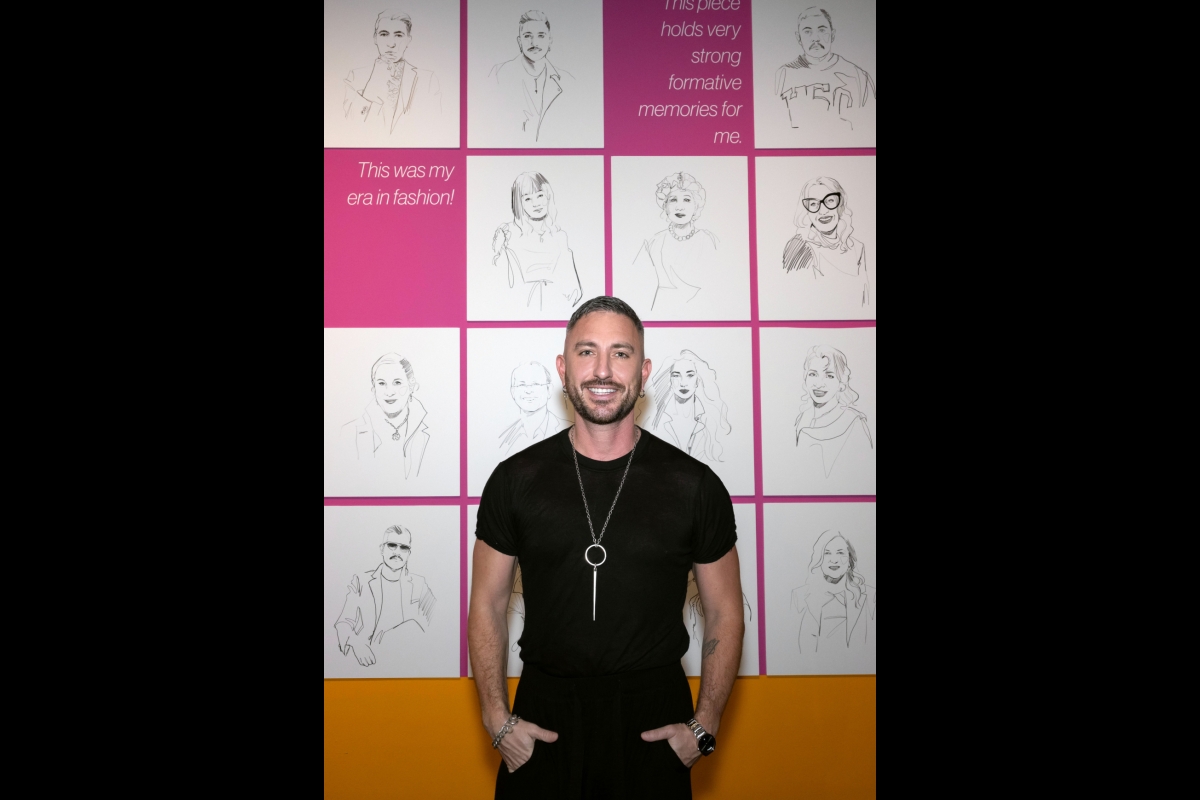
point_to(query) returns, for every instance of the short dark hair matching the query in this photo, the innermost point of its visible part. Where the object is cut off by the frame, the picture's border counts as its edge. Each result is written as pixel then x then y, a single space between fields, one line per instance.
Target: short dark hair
pixel 612 305
pixel 532 16
pixel 390 15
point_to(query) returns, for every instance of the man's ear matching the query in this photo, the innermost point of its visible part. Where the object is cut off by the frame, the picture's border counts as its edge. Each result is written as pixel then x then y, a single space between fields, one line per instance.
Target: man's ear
pixel 832 33
pixel 646 365
pixel 560 364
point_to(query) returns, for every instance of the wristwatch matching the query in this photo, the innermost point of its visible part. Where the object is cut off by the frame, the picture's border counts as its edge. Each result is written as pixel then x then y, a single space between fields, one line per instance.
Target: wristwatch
pixel 704 740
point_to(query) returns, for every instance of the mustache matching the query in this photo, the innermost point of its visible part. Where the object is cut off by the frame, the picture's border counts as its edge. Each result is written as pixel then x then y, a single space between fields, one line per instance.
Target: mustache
pixel 608 383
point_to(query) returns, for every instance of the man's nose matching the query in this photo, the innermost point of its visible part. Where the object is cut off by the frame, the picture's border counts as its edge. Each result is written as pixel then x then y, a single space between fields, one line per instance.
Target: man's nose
pixel 603 368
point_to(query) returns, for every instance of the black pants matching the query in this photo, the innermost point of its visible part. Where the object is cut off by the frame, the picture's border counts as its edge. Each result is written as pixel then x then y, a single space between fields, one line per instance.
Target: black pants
pixel 599 721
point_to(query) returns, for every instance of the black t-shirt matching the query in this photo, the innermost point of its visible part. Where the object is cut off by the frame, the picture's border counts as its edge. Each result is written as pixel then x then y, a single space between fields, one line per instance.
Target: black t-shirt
pixel 673 511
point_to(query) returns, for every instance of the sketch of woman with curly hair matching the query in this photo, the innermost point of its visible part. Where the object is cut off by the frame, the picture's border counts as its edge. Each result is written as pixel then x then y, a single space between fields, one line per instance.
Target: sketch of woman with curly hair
pixel 836 606
pixel 824 247
pixel 681 254
pixel 828 423
pixel 688 410
pixel 533 248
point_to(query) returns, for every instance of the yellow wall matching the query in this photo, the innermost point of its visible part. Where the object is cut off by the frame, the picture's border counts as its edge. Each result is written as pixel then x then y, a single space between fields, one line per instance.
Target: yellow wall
pixel 810 737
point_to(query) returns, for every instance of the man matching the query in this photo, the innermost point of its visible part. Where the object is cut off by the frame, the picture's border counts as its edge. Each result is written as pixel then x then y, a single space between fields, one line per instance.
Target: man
pixel 603 706
pixel 529 83
pixel 394 596
pixel 391 89
pixel 820 83
pixel 392 428
pixel 530 390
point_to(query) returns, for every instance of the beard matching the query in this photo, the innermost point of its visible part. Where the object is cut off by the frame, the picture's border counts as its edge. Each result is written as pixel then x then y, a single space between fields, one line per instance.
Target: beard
pixel 605 416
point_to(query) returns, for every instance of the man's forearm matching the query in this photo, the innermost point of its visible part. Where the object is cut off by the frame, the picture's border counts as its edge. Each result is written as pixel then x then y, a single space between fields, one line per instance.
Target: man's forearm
pixel 721 654
pixel 487 639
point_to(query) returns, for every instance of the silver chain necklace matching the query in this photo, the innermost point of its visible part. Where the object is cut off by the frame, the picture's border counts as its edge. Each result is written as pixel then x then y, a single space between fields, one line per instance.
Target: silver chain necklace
pixel 591 528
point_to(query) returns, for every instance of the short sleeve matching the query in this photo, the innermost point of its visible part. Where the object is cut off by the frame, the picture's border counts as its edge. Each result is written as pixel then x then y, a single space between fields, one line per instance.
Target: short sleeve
pixel 714 528
pixel 495 521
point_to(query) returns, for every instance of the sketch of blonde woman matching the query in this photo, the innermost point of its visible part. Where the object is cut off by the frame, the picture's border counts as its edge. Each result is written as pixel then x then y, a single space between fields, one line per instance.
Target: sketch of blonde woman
pixel 681 254
pixel 828 422
pixel 824 247
pixel 533 248
pixel 836 606
pixel 688 410
pixel 392 428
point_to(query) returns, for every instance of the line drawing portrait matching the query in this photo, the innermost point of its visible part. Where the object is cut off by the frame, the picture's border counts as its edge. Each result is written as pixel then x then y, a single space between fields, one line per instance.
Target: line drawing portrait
pixel 828 422
pixel 392 428
pixel 688 409
pixel 694 610
pixel 383 599
pixel 835 604
pixel 681 254
pixel 391 89
pixel 819 83
pixel 533 248
pixel 529 85
pixel 824 246
pixel 529 386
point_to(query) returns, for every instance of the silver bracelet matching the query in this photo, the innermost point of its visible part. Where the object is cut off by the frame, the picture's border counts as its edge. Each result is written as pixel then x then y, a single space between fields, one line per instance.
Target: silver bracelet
pixel 505 729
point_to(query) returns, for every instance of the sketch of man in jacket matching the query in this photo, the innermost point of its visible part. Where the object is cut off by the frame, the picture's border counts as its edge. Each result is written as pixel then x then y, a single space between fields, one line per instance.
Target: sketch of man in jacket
pixel 392 428
pixel 530 389
pixel 391 89
pixel 688 410
pixel 820 84
pixel 383 599
pixel 836 606
pixel 530 84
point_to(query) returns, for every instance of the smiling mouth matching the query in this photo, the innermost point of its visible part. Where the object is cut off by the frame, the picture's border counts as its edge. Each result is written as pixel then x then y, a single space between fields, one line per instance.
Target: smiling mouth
pixel 834 567
pixel 602 391
pixel 820 392
pixel 823 220
pixel 389 402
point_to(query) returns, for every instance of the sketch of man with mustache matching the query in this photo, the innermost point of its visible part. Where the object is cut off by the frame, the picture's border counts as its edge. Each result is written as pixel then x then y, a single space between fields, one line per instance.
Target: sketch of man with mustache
pixel 531 85
pixel 383 599
pixel 820 82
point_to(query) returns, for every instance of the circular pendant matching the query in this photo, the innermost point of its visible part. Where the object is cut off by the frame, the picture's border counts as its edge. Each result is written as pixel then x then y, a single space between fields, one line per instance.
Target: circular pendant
pixel 603 556
pixel 396 436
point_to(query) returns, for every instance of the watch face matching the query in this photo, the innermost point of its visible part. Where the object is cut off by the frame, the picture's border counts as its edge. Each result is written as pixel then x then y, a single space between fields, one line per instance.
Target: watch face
pixel 707 743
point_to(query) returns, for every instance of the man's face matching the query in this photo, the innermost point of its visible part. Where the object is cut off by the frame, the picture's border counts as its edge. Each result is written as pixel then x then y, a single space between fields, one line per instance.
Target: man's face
pixel 530 387
pixel 835 560
pixel 535 204
pixel 681 207
pixel 391 388
pixel 396 549
pixel 815 35
pixel 534 40
pixel 603 368
pixel 820 380
pixel 683 379
pixel 391 39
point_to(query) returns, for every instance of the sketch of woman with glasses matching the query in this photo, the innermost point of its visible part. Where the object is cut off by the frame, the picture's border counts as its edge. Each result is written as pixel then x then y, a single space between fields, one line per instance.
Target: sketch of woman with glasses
pixel 681 254
pixel 534 249
pixel 824 246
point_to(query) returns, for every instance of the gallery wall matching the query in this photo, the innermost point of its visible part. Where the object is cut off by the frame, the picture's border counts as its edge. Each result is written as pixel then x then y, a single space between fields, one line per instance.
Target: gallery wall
pixel 424 261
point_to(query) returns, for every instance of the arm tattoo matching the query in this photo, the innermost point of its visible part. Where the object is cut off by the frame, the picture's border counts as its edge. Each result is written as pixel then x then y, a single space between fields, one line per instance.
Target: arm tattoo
pixel 709 647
